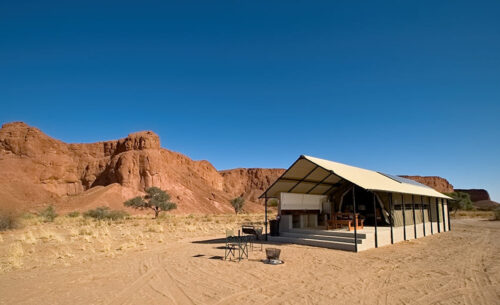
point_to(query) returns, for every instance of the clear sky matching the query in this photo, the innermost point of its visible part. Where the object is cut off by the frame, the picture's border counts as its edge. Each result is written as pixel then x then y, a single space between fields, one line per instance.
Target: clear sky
pixel 404 87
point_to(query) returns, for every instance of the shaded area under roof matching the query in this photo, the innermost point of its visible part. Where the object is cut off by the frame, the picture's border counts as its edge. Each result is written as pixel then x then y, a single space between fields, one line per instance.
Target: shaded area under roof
pixel 310 175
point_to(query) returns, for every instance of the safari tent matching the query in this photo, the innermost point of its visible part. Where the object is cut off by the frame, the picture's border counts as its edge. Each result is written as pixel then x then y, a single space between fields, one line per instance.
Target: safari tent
pixel 334 205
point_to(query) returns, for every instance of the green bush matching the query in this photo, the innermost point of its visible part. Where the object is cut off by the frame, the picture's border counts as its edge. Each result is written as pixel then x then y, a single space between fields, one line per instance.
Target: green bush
pixel 8 221
pixel 105 213
pixel 497 214
pixel 237 204
pixel 272 203
pixel 74 214
pixel 460 201
pixel 48 214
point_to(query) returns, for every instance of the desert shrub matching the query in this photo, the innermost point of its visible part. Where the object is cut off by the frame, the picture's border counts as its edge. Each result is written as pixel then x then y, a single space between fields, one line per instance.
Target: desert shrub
pixel 460 201
pixel 48 214
pixel 8 221
pixel 28 215
pixel 105 213
pixel 497 213
pixel 156 199
pixel 237 204
pixel 74 214
pixel 272 203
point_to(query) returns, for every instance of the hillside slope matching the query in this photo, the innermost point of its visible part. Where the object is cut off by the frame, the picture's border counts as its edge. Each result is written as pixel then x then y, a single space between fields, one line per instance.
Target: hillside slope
pixel 38 170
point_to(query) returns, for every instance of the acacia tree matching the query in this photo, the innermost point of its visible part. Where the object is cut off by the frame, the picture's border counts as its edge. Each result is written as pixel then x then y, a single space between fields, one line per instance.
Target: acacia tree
pixel 461 201
pixel 237 204
pixel 155 199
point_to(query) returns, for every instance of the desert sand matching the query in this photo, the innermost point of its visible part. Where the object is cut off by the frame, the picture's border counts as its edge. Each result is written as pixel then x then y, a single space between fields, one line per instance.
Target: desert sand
pixel 174 261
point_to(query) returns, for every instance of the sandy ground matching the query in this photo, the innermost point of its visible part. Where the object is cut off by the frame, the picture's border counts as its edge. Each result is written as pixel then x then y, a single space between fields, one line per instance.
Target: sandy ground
pixel 457 267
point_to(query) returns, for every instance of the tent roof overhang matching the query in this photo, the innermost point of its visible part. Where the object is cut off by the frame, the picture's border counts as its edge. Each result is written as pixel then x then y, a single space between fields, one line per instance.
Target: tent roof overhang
pixel 310 175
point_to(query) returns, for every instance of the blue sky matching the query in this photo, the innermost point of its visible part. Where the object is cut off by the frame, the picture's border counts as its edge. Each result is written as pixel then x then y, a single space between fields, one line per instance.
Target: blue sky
pixel 405 87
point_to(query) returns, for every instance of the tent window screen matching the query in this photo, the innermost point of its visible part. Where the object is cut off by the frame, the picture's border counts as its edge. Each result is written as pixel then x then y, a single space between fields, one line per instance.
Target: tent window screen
pixel 291 201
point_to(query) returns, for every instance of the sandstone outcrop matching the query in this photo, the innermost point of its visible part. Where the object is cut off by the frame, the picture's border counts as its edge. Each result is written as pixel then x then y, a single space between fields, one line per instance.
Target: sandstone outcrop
pixel 475 194
pixel 38 170
pixel 439 184
pixel 249 183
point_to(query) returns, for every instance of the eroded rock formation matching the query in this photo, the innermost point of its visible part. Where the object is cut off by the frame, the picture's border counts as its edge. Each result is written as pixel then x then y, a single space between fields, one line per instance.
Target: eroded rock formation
pixel 475 194
pixel 249 183
pixel 37 169
pixel 439 184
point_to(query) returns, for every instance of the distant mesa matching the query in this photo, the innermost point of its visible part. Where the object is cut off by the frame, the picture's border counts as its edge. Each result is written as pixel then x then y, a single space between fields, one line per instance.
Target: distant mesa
pixel 475 194
pixel 439 184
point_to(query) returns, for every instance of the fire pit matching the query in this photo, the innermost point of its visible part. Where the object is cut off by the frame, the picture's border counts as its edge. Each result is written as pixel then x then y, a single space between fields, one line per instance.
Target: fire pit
pixel 273 256
pixel 273 253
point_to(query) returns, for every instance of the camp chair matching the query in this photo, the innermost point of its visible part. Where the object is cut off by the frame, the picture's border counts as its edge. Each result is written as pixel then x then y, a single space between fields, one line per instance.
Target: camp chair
pixel 254 234
pixel 243 246
pixel 231 245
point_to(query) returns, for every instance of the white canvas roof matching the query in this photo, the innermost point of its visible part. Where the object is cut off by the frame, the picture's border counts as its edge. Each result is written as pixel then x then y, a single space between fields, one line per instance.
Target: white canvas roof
pixel 310 175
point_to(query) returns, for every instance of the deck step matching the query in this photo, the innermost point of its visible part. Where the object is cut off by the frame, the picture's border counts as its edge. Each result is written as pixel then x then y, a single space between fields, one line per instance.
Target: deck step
pixel 345 239
pixel 348 246
pixel 329 233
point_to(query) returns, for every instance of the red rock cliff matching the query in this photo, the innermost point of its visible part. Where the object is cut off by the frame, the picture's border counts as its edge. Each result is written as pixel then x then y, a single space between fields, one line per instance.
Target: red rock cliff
pixel 475 194
pixel 37 169
pixel 249 183
pixel 439 184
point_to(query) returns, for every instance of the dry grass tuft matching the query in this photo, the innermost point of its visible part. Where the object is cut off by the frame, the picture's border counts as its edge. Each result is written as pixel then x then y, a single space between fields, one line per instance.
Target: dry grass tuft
pixel 473 214
pixel 75 240
pixel 9 220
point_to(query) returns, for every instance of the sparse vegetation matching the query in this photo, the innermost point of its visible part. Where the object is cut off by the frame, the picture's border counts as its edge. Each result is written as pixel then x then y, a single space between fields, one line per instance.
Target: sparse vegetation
pixel 104 213
pixel 237 204
pixel 74 214
pixel 461 201
pixel 473 214
pixel 80 239
pixel 497 213
pixel 272 203
pixel 155 199
pixel 48 214
pixel 8 221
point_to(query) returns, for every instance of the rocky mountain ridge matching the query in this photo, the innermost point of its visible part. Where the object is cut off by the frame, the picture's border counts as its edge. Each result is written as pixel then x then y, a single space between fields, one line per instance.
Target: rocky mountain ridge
pixel 37 169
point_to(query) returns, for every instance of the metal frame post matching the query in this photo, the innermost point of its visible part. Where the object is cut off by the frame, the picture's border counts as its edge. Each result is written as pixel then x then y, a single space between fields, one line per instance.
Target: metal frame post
pixel 355 218
pixel 390 218
pixel 404 215
pixel 422 210
pixel 414 218
pixel 265 215
pixel 430 215
pixel 375 217
pixel 448 210
pixel 444 218
pixel 437 215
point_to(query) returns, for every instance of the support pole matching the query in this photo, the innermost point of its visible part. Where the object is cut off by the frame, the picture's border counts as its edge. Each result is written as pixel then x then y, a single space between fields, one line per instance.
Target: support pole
pixel 355 219
pixel 444 220
pixel 437 215
pixel 375 216
pixel 265 215
pixel 422 211
pixel 448 210
pixel 430 216
pixel 404 215
pixel 390 218
pixel 414 218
